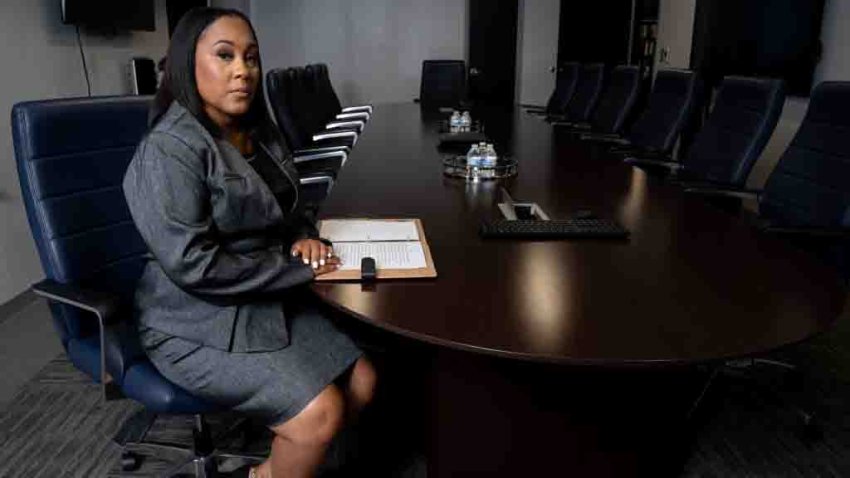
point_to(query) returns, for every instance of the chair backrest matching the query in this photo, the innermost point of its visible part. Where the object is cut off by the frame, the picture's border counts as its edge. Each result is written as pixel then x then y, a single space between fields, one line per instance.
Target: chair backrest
pixel 320 112
pixel 71 155
pixel 671 104
pixel 736 131
pixel 810 185
pixel 443 83
pixel 326 87
pixel 617 100
pixel 565 87
pixel 588 87
pixel 279 88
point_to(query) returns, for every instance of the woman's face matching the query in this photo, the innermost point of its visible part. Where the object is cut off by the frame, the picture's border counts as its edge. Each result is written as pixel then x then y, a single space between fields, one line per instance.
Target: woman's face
pixel 227 69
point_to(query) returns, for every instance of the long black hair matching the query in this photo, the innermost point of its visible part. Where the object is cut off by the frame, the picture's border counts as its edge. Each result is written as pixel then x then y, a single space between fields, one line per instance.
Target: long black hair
pixel 179 83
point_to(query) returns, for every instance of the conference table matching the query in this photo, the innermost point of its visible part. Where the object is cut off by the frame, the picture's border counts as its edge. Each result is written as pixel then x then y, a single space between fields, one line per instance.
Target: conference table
pixel 692 285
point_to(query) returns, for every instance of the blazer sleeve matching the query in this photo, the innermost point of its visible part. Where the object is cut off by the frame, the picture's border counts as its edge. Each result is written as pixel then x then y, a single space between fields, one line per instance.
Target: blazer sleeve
pixel 170 203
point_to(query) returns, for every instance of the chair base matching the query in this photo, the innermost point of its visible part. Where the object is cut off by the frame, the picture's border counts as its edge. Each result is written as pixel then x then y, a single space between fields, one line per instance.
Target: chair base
pixel 200 460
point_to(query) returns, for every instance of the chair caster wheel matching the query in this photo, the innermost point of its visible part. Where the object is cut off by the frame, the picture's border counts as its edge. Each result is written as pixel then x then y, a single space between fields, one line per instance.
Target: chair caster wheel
pixel 130 461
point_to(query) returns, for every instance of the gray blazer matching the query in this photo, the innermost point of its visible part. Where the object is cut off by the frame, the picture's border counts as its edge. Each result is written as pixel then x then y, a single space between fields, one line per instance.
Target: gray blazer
pixel 218 238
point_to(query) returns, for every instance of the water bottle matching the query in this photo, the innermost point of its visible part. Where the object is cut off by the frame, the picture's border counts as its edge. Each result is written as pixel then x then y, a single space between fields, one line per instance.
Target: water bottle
pixel 490 156
pixel 473 156
pixel 455 122
pixel 465 121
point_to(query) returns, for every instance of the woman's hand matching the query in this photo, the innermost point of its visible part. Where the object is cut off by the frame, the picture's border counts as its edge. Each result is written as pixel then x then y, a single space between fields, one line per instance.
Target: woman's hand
pixel 316 254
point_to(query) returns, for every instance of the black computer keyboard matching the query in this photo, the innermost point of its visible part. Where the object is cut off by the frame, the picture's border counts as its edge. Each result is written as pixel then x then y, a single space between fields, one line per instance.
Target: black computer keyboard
pixel 590 228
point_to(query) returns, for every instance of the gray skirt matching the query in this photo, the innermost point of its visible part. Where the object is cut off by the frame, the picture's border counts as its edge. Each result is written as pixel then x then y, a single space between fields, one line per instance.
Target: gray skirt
pixel 272 386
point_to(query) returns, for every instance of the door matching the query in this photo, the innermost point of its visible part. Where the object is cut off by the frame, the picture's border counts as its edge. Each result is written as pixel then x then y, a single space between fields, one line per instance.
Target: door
pixel 492 51
pixel 538 50
pixel 595 31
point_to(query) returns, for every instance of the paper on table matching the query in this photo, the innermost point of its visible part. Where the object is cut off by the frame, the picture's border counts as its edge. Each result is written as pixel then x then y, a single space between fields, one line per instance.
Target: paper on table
pixel 387 255
pixel 367 230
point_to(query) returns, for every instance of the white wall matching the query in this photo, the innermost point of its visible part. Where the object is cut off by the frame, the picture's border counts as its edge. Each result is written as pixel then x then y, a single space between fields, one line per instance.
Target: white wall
pixel 41 60
pixel 675 31
pixel 242 5
pixel 537 50
pixel 374 49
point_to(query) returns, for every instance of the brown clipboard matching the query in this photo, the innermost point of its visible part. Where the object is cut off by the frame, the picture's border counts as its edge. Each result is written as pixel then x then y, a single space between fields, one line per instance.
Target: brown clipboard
pixel 429 271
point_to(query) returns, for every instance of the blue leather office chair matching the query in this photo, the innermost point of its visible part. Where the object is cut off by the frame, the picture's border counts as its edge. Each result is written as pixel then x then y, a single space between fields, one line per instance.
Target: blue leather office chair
pixel 806 198
pixel 443 84
pixel 670 107
pixel 71 155
pixel 614 106
pixel 591 79
pixel 806 201
pixel 565 87
pixel 733 137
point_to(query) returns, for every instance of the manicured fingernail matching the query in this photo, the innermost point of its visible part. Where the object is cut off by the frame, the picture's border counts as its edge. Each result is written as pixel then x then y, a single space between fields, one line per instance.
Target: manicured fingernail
pixel 294 253
pixel 321 262
pixel 315 265
pixel 306 261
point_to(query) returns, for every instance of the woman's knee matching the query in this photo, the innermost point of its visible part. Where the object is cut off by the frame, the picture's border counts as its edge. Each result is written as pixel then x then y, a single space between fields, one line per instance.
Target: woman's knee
pixel 318 422
pixel 363 381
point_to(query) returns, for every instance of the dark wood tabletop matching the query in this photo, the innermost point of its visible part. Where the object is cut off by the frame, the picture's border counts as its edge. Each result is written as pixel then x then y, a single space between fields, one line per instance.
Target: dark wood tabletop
pixel 691 284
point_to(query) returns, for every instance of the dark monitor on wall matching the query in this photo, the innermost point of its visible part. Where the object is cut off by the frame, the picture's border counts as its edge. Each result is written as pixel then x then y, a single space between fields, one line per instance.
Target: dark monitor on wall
pixel 765 38
pixel 117 14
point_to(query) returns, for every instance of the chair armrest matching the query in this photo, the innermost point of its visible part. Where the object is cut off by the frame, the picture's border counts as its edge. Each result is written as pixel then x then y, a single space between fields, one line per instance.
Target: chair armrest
pixel 358 125
pixel 572 125
pixel 341 155
pixel 358 108
pixel 354 116
pixel 336 134
pixel 718 191
pixel 323 149
pixel 319 179
pixel 103 305
pixel 664 163
pixel 610 138
pixel 809 232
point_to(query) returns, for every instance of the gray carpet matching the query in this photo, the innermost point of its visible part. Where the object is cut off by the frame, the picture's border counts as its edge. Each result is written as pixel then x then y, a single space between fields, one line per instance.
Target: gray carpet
pixel 56 425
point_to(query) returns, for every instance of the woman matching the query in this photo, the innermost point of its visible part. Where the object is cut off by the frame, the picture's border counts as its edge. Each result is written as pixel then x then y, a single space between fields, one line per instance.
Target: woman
pixel 215 197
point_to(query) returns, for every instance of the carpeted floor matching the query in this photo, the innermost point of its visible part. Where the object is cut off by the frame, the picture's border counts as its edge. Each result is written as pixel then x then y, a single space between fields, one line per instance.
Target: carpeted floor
pixel 57 426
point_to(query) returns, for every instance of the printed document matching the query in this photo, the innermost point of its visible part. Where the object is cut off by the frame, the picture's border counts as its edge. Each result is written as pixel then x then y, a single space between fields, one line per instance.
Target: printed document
pixel 387 255
pixel 368 231
pixel 393 244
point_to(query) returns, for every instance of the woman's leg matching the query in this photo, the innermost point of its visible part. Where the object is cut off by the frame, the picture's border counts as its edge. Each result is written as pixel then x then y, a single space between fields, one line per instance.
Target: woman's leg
pixel 300 443
pixel 359 390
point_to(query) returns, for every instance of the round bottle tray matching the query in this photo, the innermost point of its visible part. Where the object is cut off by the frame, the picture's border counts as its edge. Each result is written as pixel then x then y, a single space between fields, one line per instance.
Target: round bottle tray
pixel 455 166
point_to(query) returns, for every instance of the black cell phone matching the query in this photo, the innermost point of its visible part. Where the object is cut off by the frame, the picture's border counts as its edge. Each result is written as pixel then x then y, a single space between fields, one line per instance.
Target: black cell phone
pixel 143 76
pixel 368 270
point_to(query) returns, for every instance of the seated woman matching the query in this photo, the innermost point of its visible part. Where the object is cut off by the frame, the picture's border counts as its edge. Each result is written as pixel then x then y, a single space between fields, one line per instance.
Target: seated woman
pixel 214 194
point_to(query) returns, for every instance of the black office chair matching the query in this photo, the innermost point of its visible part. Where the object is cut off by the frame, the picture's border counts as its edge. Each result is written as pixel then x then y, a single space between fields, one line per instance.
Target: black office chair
pixel 591 79
pixel 71 155
pixel 733 137
pixel 443 84
pixel 565 87
pixel 326 89
pixel 671 106
pixel 325 110
pixel 615 105
pixel 282 92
